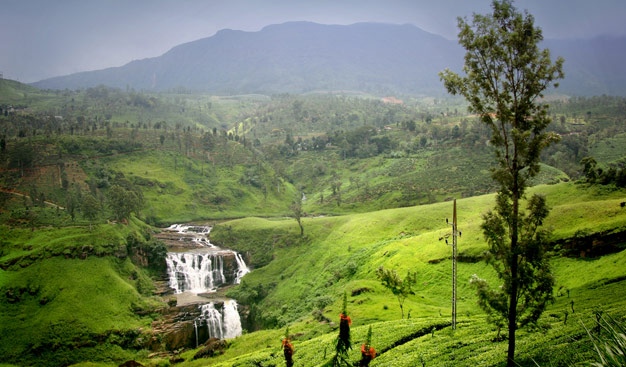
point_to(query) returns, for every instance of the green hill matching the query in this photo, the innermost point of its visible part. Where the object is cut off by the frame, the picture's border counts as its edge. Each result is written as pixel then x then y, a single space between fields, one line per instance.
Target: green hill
pixel 341 254
pixel 181 189
pixel 14 92
pixel 71 295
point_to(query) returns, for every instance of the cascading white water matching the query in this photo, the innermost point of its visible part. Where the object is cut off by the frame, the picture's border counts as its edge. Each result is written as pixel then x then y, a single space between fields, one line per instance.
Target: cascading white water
pixel 199 233
pixel 202 270
pixel 232 322
pixel 242 268
pixel 195 271
pixel 195 328
pixel 214 320
pixel 226 325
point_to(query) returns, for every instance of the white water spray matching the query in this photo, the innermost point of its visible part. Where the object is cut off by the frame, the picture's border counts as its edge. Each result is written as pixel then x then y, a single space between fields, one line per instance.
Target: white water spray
pixel 224 325
pixel 242 268
pixel 213 319
pixel 194 271
pixel 232 322
pixel 201 270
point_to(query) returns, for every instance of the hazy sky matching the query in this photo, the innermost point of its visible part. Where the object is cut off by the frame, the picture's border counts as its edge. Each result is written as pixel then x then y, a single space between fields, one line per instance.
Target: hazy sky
pixel 44 38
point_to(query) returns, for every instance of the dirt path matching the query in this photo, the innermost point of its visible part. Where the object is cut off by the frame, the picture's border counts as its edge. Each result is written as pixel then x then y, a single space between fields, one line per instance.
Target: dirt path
pixel 75 159
pixel 17 193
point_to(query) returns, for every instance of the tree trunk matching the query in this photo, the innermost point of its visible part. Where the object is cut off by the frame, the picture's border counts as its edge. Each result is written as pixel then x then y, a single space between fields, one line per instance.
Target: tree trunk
pixel 514 271
pixel 512 314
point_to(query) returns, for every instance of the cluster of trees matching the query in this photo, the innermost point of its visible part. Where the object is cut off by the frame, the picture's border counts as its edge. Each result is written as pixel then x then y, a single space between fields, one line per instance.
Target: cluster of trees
pixel 595 174
pixel 369 141
pixel 120 196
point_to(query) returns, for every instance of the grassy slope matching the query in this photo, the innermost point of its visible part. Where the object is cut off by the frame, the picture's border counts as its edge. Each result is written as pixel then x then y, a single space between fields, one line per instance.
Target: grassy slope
pixel 15 92
pixel 198 190
pixel 407 238
pixel 427 176
pixel 609 150
pixel 55 307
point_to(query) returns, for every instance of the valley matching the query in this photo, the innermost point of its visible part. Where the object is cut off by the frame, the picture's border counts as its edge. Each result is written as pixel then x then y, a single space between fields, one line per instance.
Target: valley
pixel 211 177
pixel 284 197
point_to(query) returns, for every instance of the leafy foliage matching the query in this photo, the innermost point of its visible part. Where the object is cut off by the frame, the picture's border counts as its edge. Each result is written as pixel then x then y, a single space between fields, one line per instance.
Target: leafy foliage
pixel 609 341
pixel 123 202
pixel 505 74
pixel 401 288
pixel 535 279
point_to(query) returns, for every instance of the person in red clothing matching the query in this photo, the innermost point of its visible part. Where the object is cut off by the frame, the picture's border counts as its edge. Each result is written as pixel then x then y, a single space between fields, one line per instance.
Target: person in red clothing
pixel 288 350
pixel 367 351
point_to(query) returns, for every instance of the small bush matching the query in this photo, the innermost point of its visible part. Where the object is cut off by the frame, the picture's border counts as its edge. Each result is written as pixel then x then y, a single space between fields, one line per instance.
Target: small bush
pixel 609 341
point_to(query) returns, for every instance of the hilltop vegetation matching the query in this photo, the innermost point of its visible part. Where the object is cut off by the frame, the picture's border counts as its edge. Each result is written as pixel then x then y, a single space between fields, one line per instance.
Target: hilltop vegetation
pixel 70 294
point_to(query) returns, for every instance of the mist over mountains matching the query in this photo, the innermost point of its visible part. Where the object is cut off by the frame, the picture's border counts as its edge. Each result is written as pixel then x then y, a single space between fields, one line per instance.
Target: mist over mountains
pixel 299 57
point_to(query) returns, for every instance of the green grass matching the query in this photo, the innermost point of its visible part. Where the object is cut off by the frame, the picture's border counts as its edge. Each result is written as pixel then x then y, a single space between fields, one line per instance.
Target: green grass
pixel 295 276
pixel 342 253
pixel 180 189
pixel 430 175
pixel 71 295
pixel 16 92
pixel 412 342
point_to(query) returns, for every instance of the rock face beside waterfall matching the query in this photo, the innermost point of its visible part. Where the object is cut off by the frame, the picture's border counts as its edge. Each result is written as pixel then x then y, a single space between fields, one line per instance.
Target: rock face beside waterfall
pixel 175 329
pixel 185 239
pixel 191 325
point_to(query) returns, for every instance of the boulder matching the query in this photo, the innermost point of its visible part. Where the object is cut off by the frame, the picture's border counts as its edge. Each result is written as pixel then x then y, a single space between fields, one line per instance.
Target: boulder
pixel 131 363
pixel 212 347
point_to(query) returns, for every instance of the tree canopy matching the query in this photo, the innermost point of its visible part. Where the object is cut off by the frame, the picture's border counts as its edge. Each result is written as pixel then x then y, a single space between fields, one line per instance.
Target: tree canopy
pixel 505 75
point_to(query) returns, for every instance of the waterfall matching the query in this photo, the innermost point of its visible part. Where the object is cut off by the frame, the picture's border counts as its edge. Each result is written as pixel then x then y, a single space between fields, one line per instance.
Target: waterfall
pixel 242 268
pixel 213 319
pixel 203 268
pixel 232 322
pixel 195 271
pixel 225 325
pixel 203 271
pixel 199 233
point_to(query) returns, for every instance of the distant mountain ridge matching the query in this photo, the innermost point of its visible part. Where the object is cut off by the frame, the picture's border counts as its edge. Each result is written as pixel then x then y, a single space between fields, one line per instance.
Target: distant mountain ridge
pixel 298 57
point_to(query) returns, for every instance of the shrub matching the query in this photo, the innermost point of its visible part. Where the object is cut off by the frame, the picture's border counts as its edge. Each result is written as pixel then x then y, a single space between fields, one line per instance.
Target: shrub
pixel 609 341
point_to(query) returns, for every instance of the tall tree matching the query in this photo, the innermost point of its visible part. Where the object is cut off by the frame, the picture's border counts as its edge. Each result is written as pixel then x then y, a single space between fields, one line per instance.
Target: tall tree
pixel 505 74
pixel 296 210
pixel 589 168
pixel 90 208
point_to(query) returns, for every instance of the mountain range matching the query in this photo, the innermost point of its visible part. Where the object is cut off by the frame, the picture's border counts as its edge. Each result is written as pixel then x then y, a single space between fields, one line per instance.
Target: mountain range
pixel 300 57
